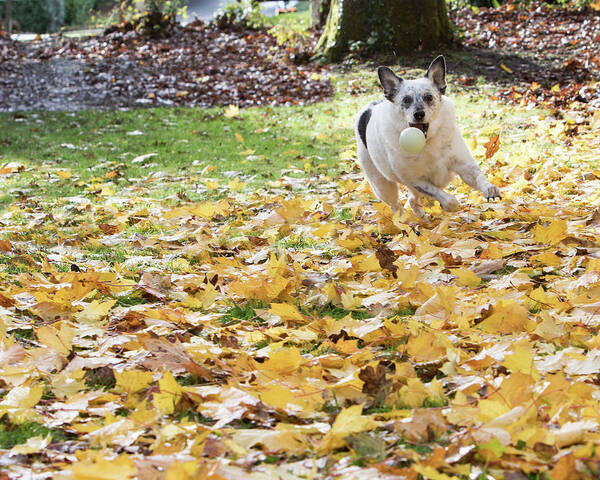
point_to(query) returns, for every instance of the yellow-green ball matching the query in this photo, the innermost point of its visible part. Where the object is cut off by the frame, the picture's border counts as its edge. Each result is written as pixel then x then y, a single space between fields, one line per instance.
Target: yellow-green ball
pixel 412 140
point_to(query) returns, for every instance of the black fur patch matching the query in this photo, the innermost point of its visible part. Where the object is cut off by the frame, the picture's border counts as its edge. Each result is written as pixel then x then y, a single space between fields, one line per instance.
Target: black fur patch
pixel 390 94
pixel 363 121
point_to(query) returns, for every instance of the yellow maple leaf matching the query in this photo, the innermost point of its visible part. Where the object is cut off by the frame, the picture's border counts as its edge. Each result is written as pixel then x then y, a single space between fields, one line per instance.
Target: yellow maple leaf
pixel 132 381
pixel 283 361
pixel 185 471
pixel 95 467
pixel 508 316
pixel 94 311
pixel 350 301
pixel 351 243
pixel 466 278
pixel 350 420
pixel 406 275
pixel 552 234
pixel 539 297
pixel 288 312
pixel 64 174
pixel 521 360
pixel 414 393
pixel 168 397
pixel 549 328
pixel 427 347
pixel 547 259
pixel 231 111
pixel 61 341
pixel 430 473
pixel 32 445
pixel 236 185
pixel 279 397
pixel 68 383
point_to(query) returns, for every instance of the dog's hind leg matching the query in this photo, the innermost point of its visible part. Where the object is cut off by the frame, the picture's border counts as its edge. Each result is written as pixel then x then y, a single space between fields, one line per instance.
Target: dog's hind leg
pixel 384 189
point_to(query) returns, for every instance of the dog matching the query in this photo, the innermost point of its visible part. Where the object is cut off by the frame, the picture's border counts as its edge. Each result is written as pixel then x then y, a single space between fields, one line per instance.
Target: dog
pixel 419 103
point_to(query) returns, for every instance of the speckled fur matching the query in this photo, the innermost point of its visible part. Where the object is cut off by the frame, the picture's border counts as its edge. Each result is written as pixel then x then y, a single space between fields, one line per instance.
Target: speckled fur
pixel 385 164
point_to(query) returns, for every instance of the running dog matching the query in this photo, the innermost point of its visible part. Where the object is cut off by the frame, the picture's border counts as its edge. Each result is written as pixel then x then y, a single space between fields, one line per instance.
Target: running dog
pixel 419 103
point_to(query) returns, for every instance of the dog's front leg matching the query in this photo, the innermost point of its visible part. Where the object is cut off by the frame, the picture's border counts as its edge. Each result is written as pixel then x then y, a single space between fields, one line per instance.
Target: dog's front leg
pixel 447 201
pixel 470 173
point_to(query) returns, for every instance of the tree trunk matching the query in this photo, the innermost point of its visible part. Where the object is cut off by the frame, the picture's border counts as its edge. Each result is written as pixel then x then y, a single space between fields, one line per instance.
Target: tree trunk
pixel 9 20
pixel 384 26
pixel 319 10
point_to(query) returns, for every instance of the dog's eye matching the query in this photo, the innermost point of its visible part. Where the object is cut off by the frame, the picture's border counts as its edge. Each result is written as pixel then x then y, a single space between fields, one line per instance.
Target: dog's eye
pixel 407 100
pixel 428 98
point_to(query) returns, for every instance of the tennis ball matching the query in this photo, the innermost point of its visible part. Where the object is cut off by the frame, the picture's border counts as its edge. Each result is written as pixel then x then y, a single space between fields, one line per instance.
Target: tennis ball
pixel 412 140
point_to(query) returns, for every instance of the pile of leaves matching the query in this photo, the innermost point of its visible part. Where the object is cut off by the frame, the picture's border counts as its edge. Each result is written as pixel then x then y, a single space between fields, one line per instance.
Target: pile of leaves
pixel 302 330
pixel 559 44
pixel 199 65
pixel 9 49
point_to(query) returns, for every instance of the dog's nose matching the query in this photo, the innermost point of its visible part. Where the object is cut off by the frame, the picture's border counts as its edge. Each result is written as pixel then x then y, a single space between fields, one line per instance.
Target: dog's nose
pixel 419 115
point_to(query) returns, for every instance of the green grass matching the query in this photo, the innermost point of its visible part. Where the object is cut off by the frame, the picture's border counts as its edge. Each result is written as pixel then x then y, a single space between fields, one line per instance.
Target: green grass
pixel 22 334
pixel 333 311
pixel 298 20
pixel 193 416
pixel 131 299
pixel 108 254
pixel 194 144
pixel 242 312
pixel 16 434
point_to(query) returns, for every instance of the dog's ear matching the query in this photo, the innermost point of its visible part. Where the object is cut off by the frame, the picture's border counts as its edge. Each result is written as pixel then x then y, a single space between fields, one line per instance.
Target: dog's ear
pixel 437 73
pixel 389 81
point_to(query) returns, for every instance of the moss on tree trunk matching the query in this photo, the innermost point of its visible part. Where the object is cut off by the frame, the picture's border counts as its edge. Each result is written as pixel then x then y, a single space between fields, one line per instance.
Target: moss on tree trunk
pixel 386 26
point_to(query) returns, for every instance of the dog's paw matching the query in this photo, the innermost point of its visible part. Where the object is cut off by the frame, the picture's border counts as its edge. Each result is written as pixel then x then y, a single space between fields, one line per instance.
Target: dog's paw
pixel 450 204
pixel 492 192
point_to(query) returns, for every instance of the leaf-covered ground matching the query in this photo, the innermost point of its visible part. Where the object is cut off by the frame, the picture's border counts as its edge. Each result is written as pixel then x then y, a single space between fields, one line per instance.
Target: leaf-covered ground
pixel 555 61
pixel 198 65
pixel 217 294
pixel 292 327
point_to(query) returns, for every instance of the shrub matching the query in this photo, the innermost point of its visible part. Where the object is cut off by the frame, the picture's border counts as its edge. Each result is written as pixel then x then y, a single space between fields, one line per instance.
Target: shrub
pixel 77 11
pixel 244 15
pixel 40 17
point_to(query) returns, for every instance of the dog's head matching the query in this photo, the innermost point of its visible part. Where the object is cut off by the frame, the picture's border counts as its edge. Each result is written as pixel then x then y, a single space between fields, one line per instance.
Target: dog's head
pixel 418 100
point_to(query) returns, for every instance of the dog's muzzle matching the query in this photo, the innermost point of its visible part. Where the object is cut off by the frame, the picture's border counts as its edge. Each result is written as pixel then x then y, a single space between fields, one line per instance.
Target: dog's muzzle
pixel 421 126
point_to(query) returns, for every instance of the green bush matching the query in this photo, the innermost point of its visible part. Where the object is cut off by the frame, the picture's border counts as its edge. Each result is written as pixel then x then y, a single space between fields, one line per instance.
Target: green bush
pixel 245 14
pixel 39 16
pixel 77 12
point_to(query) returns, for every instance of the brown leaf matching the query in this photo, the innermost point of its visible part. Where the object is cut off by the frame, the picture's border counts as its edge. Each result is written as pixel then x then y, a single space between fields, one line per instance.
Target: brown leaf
pixel 450 260
pixel 386 258
pixel 424 426
pixel 109 229
pixel 5 246
pixel 156 284
pixel 492 146
pixel 171 356
pixel 376 384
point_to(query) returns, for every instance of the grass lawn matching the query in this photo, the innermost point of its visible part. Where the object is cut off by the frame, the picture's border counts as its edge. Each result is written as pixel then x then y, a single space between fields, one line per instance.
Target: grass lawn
pixel 190 147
